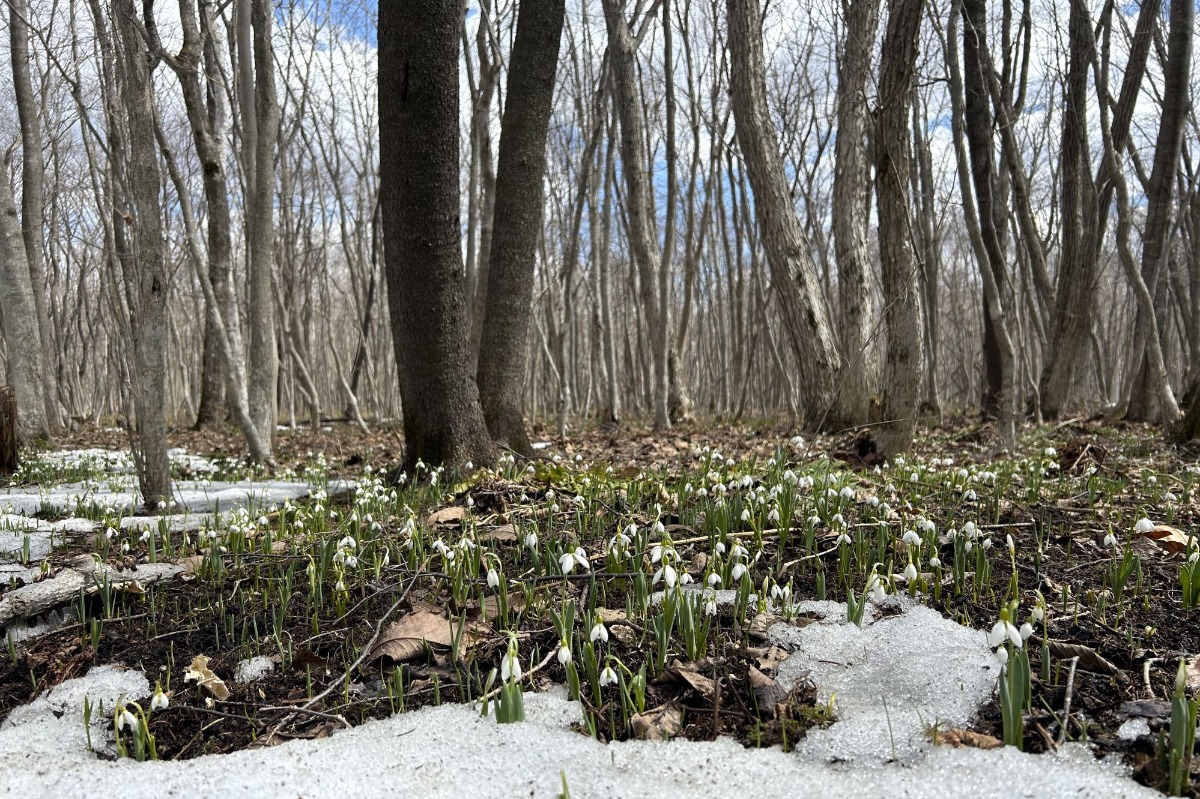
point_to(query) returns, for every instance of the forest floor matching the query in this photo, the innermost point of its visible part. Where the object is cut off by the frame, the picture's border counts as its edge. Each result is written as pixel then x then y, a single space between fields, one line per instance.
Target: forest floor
pixel 656 577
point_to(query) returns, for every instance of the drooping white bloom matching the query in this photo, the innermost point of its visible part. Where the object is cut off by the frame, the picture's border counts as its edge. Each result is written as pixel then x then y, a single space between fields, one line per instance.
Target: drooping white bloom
pixel 531 540
pixel 912 539
pixel 564 653
pixel 160 700
pixel 739 569
pixel 935 562
pixel 1026 631
pixel 910 572
pixel 1002 631
pixel 510 666
pixel 1143 526
pixel 713 580
pixel 608 677
pixel 1110 540
pixel 599 633
pixel 127 720
pixel 567 562
pixel 493 578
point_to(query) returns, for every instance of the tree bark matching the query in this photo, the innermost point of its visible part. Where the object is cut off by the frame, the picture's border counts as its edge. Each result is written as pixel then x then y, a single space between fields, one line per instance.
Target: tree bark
pixel 419 173
pixel 33 198
pixel 147 279
pixel 897 251
pixel 851 210
pixel 793 273
pixel 19 313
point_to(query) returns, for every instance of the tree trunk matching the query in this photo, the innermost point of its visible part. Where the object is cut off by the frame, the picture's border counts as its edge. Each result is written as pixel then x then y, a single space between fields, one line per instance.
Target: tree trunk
pixel 518 220
pixel 264 355
pixel 19 315
pixel 33 198
pixel 419 173
pixel 897 256
pixel 148 278
pixel 851 210
pixel 793 273
pixel 8 430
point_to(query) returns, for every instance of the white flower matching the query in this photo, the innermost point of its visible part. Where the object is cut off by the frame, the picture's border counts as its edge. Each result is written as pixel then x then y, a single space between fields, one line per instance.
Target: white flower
pixel 1012 545
pixel 667 575
pixel 1002 656
pixel 348 543
pixel 713 580
pixel 656 553
pixel 126 720
pixel 564 653
pixel 773 516
pixel 876 588
pixel 739 569
pixel 912 539
pixel 599 633
pixel 1026 631
pixel 160 701
pixel 969 495
pixel 844 538
pixel 1110 540
pixel 910 572
pixel 510 666
pixel 1143 526
pixel 1050 452
pixel 1002 631
pixel 567 562
pixel 935 562
pixel 531 540
pixel 608 677
pixel 493 578
pixel 745 515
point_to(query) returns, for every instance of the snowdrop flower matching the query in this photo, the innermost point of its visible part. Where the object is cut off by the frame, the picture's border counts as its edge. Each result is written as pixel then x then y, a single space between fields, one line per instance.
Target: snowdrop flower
pixel 935 562
pixel 710 603
pixel 685 579
pixel 599 633
pixel 797 442
pixel 1170 496
pixel 969 495
pixel 713 580
pixel 493 578
pixel 656 553
pixel 110 534
pixel 667 575
pixel 1050 452
pixel 745 514
pixel 719 548
pixel 564 653
pixel 773 516
pixel 1110 540
pixel 570 560
pixel 127 720
pixel 739 569
pixel 1010 543
pixel 838 520
pixel 160 701
pixel 1002 631
pixel 1026 631
pixel 987 543
pixel 846 493
pixel 844 538
pixel 531 540
pixel 510 666
pixel 970 530
pixel 912 539
pixel 348 543
pixel 876 588
pixel 608 677
pixel 738 551
pixel 1143 526
pixel 910 572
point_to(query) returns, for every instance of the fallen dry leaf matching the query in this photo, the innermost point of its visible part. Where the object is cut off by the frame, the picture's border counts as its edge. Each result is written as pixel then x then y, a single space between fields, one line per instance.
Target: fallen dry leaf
pixel 660 724
pixel 199 672
pixel 698 682
pixel 505 532
pixel 1089 659
pixel 955 737
pixel 446 516
pixel 1169 539
pixel 768 692
pixel 403 640
pixel 769 658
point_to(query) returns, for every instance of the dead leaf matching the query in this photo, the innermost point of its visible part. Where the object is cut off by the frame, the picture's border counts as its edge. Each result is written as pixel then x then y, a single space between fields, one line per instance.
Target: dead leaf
pixel 199 672
pixel 1192 671
pixel 697 681
pixel 446 516
pixel 403 640
pixel 192 565
pixel 1089 659
pixel 608 615
pixel 505 532
pixel 768 692
pixel 955 737
pixel 660 724
pixel 768 659
pixel 1169 539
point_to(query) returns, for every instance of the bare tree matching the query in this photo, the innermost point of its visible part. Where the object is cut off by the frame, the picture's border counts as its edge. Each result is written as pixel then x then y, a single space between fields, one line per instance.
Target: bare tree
pixel 794 276
pixel 518 219
pixel 418 133
pixel 897 250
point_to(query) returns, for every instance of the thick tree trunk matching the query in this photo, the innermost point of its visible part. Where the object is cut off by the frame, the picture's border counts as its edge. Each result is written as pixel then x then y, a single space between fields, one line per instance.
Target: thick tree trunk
pixel 851 210
pixel 897 255
pixel 149 277
pixel 19 315
pixel 978 120
pixel 33 199
pixel 793 273
pixel 419 173
pixel 264 355
pixel 518 220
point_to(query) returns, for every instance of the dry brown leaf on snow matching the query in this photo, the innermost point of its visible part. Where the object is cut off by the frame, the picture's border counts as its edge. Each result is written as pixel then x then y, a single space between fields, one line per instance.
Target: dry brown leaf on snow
pixel 952 736
pixel 446 516
pixel 1169 539
pixel 660 724
pixel 769 658
pixel 199 672
pixel 769 693
pixel 403 639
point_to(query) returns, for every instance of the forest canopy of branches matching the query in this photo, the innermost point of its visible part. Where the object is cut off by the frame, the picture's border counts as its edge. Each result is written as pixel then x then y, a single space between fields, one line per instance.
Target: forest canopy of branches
pixel 471 214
